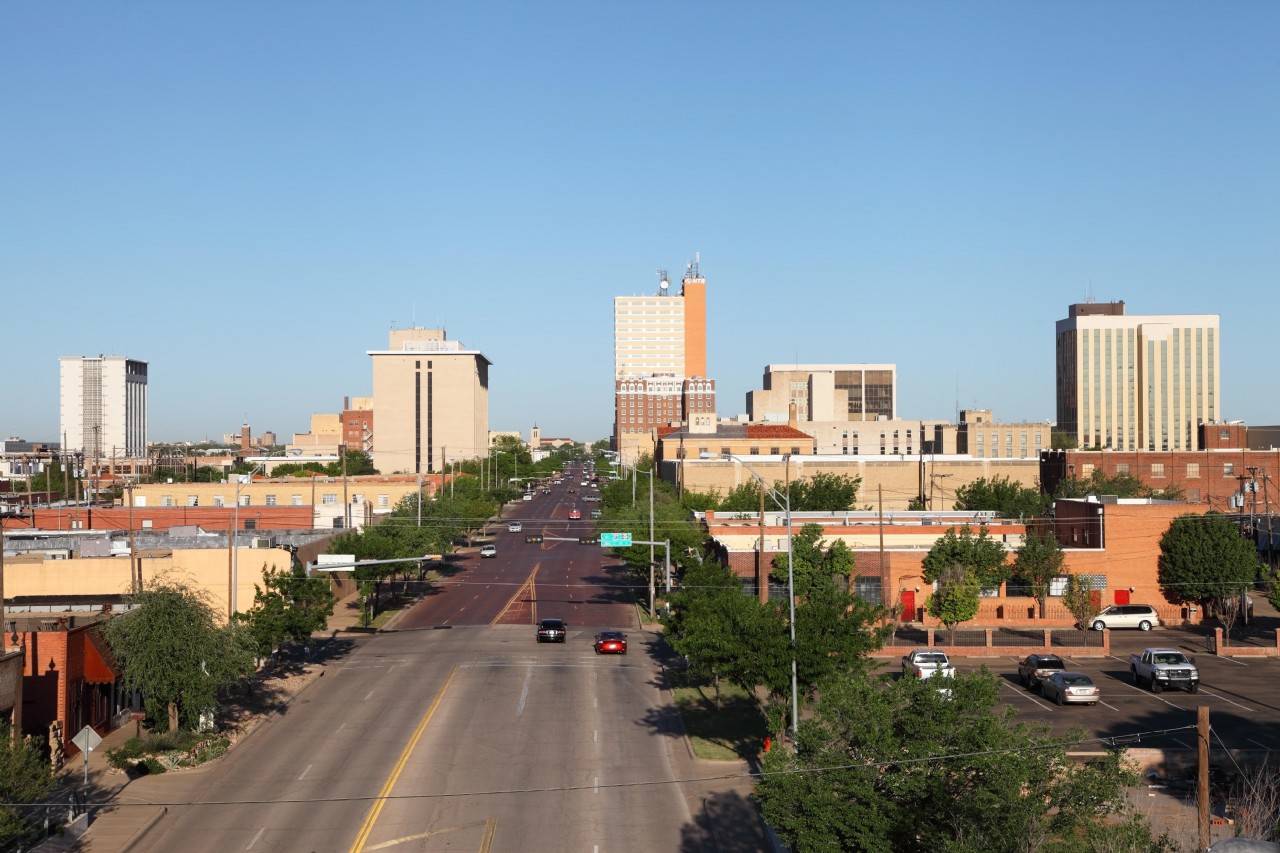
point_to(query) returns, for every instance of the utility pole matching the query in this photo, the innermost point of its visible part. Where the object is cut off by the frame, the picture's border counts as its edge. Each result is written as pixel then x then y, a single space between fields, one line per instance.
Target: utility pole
pixel 762 576
pixel 1202 774
pixel 651 514
pixel 135 565
pixel 346 506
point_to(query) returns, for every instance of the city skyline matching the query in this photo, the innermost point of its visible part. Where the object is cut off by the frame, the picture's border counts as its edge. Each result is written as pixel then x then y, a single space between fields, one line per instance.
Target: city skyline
pixel 247 198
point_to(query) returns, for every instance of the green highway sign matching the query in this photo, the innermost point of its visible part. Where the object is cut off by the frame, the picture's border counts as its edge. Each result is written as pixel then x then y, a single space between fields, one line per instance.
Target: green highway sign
pixel 615 540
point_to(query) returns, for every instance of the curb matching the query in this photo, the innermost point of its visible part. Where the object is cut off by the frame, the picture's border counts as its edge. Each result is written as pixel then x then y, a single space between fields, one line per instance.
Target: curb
pixel 141 831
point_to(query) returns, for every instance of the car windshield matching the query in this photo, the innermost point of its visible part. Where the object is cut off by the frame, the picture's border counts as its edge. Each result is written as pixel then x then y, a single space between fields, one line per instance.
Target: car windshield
pixel 1169 658
pixel 934 658
pixel 611 635
pixel 1051 663
pixel 551 623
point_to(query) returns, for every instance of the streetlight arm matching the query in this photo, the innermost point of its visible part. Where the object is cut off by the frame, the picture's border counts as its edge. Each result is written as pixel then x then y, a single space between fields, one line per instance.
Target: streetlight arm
pixel 783 501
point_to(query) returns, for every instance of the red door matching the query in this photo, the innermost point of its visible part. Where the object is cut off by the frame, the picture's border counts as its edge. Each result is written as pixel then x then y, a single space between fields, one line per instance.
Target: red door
pixel 1122 596
pixel 908 605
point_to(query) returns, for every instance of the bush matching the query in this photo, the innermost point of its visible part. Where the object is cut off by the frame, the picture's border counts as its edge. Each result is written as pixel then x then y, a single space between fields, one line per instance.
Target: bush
pixel 127 756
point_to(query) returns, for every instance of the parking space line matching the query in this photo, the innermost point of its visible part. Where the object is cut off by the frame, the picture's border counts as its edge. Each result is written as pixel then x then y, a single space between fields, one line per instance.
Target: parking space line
pixel 1225 699
pixel 1259 743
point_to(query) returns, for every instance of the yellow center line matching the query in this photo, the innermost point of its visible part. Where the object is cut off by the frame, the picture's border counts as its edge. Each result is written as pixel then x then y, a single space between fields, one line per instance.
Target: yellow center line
pixel 376 809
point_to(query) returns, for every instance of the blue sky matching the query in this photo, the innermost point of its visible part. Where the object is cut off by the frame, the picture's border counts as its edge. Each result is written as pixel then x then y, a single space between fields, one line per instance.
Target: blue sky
pixel 250 195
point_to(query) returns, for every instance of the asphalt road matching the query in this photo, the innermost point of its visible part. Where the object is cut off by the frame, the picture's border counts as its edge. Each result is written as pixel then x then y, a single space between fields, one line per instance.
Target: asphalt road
pixel 1242 694
pixel 458 731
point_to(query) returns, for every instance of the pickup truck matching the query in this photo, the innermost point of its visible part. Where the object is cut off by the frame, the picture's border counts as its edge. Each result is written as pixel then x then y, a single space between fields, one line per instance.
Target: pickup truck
pixel 1161 668
pixel 926 663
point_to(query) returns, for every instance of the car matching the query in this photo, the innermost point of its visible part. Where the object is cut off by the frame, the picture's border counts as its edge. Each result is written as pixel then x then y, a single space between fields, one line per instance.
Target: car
pixel 595 513
pixel 528 496
pixel 584 483
pixel 575 514
pixel 515 527
pixel 1140 616
pixel 1073 688
pixel 591 497
pixel 926 663
pixel 611 643
pixel 552 631
pixel 573 491
pixel 1033 669
pixel 488 550
pixel 546 491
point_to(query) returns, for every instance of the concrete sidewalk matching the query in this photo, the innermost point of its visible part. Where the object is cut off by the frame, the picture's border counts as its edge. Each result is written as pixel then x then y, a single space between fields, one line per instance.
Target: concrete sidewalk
pixel 123 806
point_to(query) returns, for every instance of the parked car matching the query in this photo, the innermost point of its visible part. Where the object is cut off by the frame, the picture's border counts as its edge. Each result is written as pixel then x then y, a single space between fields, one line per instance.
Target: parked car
pixel 528 496
pixel 611 643
pixel 1073 688
pixel 1034 669
pixel 926 663
pixel 488 551
pixel 1140 616
pixel 552 631
pixel 515 527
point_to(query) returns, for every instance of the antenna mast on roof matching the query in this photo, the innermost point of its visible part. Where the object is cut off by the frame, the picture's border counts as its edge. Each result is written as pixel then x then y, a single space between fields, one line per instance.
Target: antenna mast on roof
pixel 694 268
pixel 664 283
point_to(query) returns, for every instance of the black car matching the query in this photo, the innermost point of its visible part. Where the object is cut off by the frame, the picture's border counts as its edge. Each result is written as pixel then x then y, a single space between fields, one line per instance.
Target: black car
pixel 552 631
pixel 1035 669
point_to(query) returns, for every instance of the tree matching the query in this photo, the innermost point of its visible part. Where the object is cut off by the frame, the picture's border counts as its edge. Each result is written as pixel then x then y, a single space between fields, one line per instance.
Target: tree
pixel 1078 598
pixel 25 777
pixel 823 492
pixel 744 497
pixel 1207 560
pixel 1007 498
pixel 812 564
pixel 984 556
pixel 288 607
pixel 1121 485
pixel 176 649
pixel 1062 441
pixel 899 765
pixel 955 600
pixel 1038 562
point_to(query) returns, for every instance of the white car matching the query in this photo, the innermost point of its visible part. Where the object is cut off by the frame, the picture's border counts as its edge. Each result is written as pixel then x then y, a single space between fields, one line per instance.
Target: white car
pixel 515 527
pixel 1140 616
pixel 488 550
pixel 528 496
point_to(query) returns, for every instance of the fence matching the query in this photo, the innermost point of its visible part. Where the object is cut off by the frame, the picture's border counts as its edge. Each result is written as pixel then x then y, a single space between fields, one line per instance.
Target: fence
pixel 1001 642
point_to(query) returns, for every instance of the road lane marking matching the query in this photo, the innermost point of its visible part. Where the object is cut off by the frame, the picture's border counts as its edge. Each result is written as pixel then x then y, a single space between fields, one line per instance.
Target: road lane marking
pixel 368 695
pixel 1105 705
pixel 376 809
pixel 490 827
pixel 304 773
pixel 597 787
pixel 255 838
pixel 524 692
pixel 486 842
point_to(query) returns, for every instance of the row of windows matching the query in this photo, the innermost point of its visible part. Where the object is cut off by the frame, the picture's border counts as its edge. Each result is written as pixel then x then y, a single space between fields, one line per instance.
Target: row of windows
pixel 270 500
pixel 1157 470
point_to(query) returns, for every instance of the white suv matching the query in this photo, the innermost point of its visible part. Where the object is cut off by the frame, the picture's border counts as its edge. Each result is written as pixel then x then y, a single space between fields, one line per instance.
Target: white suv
pixel 1140 616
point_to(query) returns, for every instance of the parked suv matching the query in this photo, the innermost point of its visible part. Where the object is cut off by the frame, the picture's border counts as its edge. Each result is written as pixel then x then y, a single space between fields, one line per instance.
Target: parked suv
pixel 1034 669
pixel 1140 616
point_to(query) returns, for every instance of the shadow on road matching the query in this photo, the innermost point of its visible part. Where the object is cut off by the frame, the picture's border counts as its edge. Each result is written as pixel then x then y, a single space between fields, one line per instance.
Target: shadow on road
pixel 728 823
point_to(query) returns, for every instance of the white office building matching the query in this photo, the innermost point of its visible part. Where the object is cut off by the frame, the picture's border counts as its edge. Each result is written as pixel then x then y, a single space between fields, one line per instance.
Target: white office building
pixel 103 406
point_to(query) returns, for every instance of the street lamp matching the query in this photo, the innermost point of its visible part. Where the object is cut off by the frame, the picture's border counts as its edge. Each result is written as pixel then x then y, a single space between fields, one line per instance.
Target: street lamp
pixel 783 503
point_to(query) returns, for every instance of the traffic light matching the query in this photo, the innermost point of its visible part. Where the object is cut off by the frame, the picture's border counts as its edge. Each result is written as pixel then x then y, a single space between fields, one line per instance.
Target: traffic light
pixel 534 539
pixel 588 540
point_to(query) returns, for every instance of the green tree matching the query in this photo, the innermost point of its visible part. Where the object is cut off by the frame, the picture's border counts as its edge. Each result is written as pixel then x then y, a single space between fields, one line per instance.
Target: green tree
pixel 813 564
pixel 1205 559
pixel 1038 562
pixel 357 463
pixel 1004 496
pixel 955 600
pixel 899 766
pixel 744 497
pixel 287 607
pixel 1078 598
pixel 984 556
pixel 823 493
pixel 25 777
pixel 1062 441
pixel 1121 485
pixel 176 649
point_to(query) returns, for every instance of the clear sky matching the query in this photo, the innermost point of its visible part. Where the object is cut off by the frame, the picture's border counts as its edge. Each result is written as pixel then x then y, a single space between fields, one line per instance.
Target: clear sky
pixel 248 196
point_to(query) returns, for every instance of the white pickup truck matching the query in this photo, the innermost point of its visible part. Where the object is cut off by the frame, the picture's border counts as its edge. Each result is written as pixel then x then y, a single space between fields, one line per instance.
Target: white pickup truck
pixel 1161 668
pixel 926 663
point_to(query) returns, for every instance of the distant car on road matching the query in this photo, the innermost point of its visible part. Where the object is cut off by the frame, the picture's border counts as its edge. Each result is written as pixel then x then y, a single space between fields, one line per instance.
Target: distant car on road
pixel 515 527
pixel 552 631
pixel 528 496
pixel 575 514
pixel 488 551
pixel 1074 688
pixel 611 643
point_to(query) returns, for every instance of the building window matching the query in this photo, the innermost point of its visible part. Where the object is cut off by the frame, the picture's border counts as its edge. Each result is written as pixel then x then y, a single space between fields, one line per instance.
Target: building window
pixel 724 451
pixel 1228 469
pixel 1193 470
pixel 774 451
pixel 795 451
pixel 271 500
pixel 166 500
pixel 1157 470
pixel 1122 468
pixel 296 500
pixel 383 500
pixel 193 500
pixel 245 500
pixel 218 500
pixel 329 499
pixel 147 524
pixel 755 451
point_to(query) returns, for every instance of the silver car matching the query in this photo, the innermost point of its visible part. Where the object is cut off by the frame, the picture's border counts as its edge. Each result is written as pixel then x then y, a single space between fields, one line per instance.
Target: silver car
pixel 1074 688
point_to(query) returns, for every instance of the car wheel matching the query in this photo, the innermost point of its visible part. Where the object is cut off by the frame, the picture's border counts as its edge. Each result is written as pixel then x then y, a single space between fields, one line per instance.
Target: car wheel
pixel 1099 625
pixel 1137 679
pixel 1060 699
pixel 1192 688
pixel 1144 625
pixel 1026 682
pixel 1155 686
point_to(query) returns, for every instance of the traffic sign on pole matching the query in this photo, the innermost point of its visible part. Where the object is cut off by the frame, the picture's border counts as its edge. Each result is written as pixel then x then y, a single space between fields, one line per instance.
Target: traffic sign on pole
pixel 615 540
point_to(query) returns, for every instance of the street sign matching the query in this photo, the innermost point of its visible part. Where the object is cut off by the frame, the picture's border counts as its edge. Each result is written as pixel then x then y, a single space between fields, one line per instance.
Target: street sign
pixel 615 540
pixel 87 739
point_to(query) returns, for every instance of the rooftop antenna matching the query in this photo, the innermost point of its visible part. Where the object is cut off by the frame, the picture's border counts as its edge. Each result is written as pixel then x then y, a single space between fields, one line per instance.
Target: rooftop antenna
pixel 694 269
pixel 664 284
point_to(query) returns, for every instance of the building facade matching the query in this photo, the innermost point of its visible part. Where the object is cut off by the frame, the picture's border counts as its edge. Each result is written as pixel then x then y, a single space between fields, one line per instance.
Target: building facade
pixel 1136 382
pixel 826 392
pixel 103 406
pixel 430 402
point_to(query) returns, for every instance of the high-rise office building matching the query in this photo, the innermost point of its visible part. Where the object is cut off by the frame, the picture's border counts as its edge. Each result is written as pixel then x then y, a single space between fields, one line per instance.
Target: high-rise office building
pixel 430 402
pixel 102 406
pixel 659 349
pixel 1136 382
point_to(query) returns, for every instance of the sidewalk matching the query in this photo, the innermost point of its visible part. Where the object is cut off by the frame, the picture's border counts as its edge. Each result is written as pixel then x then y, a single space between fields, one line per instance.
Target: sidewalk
pixel 124 806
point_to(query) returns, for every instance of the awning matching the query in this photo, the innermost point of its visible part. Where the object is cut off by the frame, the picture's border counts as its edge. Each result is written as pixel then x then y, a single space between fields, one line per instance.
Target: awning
pixel 100 666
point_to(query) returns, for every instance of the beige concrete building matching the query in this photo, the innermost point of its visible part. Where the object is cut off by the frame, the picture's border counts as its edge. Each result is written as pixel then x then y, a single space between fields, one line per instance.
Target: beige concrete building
pixel 980 435
pixel 894 481
pixel 430 402
pixel 826 392
pixel 1136 382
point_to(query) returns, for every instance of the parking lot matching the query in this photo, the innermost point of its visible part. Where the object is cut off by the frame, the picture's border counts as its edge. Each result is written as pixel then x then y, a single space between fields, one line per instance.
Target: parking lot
pixel 1243 696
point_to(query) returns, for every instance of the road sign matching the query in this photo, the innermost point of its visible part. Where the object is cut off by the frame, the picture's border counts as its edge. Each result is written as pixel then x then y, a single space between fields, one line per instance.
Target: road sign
pixel 615 540
pixel 87 739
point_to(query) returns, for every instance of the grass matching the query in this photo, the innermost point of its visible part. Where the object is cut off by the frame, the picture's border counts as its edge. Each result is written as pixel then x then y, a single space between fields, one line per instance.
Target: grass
pixel 735 730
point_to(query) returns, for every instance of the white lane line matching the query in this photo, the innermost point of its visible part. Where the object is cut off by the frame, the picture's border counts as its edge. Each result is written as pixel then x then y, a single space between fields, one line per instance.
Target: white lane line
pixel 1259 743
pixel 524 692
pixel 1155 696
pixel 255 838
pixel 1180 743
pixel 597 788
pixel 304 773
pixel 595 735
pixel 1027 695
pixel 1231 660
pixel 368 695
pixel 1225 699
pixel 1105 705
pixel 341 727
